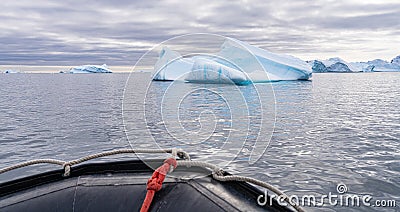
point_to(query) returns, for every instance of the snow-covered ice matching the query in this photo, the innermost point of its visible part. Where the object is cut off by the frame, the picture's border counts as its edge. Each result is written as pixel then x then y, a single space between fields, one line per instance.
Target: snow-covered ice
pixel 90 69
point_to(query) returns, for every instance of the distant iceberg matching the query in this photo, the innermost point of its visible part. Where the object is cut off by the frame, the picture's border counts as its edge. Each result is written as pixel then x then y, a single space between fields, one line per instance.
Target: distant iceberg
pixel 236 62
pixel 10 71
pixel 90 69
pixel 331 65
pixel 338 65
pixel 384 66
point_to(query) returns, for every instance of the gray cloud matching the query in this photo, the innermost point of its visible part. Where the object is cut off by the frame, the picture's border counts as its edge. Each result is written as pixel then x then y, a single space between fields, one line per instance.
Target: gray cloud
pixel 118 33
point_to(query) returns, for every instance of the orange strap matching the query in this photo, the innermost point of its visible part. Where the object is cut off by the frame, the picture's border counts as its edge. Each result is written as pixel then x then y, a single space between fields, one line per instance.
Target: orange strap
pixel 154 184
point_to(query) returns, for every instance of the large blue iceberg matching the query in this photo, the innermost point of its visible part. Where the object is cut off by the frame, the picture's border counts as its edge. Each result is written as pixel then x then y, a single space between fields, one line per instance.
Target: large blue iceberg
pixel 236 62
pixel 90 69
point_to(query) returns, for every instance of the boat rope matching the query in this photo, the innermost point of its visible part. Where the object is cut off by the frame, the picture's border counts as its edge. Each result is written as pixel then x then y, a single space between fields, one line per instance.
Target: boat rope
pixel 155 182
pixel 67 164
pixel 218 174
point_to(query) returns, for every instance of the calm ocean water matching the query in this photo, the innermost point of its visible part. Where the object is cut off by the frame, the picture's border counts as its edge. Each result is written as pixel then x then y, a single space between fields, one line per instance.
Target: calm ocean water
pixel 337 128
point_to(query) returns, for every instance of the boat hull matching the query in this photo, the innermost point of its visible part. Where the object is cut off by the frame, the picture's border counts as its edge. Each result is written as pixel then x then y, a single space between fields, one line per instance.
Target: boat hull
pixel 121 186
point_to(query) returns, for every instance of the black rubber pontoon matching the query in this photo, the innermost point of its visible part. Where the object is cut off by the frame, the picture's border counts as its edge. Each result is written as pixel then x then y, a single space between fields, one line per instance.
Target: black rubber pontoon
pixel 121 186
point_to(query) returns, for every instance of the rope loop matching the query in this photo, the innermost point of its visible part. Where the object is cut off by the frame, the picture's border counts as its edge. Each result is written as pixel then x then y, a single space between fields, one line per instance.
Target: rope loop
pixel 219 171
pixel 67 169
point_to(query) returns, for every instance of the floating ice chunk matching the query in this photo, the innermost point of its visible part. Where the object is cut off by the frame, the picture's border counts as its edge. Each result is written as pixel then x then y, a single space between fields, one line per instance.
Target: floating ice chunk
pixel 236 62
pixel 90 69
pixel 10 71
pixel 209 71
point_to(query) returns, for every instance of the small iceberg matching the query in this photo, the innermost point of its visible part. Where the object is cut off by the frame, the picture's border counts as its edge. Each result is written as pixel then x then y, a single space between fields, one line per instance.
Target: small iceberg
pixel 10 71
pixel 237 62
pixel 85 69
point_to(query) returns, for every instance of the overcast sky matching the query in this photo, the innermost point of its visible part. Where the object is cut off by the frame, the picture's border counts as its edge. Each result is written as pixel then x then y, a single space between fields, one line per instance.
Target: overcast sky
pixel 119 32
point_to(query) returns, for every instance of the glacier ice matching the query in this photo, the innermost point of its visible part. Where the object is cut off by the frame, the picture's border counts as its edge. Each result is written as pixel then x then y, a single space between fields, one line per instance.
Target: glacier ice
pixel 236 62
pixel 90 69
